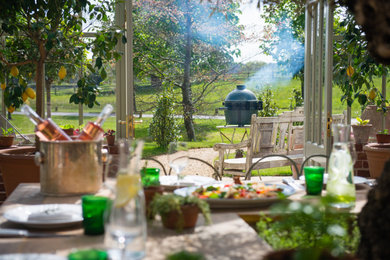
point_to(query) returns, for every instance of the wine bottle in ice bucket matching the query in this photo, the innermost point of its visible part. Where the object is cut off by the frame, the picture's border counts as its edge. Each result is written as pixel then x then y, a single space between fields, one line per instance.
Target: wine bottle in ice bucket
pixel 46 129
pixel 340 186
pixel 93 130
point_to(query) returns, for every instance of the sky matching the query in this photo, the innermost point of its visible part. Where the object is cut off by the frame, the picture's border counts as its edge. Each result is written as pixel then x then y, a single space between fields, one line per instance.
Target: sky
pixel 250 18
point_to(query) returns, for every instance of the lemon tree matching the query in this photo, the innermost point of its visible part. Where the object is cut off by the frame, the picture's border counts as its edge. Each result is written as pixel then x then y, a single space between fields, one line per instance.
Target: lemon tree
pixel 354 68
pixel 43 36
pixel 127 187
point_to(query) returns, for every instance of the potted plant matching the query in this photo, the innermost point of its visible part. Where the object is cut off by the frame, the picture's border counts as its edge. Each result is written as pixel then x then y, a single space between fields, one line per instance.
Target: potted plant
pixel 68 129
pixel 383 136
pixel 319 232
pixel 7 138
pixel 110 137
pixel 17 166
pixel 361 131
pixel 178 212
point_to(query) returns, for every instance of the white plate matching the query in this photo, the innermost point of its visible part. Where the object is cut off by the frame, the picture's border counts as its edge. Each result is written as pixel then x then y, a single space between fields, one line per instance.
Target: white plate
pixel 46 215
pixel 31 257
pixel 239 203
pixel 356 179
pixel 188 180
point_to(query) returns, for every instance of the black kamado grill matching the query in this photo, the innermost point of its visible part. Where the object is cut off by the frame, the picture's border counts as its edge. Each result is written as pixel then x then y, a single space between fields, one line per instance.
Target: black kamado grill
pixel 239 106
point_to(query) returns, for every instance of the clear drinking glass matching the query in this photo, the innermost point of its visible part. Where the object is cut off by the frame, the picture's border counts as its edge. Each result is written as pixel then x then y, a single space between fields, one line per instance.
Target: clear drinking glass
pixel 340 186
pixel 178 157
pixel 125 234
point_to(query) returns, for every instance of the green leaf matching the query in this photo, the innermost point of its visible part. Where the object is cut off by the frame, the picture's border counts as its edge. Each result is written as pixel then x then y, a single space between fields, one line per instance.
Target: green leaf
pixel 124 40
pixel 103 74
pixel 90 67
pixel 98 63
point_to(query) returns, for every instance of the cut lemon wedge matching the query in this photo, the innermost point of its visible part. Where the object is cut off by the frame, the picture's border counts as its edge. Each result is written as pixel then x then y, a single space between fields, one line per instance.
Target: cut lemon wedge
pixel 127 187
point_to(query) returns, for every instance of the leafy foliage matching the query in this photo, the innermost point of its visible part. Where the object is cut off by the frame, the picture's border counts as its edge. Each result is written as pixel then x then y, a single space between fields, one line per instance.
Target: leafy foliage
pixel 67 126
pixel 269 106
pixel 7 132
pixel 304 225
pixel 164 127
pixel 384 132
pixel 296 100
pixel 110 132
pixel 185 42
pixel 163 204
pixel 185 255
pixel 50 32
pixel 354 68
pixel 362 122
pixel 87 90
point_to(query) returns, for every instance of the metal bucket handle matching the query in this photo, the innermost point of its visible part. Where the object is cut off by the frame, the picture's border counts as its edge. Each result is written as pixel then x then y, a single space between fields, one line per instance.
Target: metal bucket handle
pixel 38 158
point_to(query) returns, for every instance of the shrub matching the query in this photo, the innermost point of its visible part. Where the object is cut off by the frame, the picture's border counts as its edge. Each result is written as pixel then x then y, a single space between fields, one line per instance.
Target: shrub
pixel 296 100
pixel 269 106
pixel 164 127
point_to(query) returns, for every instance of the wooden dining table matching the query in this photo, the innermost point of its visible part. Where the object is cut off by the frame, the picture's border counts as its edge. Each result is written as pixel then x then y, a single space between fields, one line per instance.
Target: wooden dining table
pixel 228 237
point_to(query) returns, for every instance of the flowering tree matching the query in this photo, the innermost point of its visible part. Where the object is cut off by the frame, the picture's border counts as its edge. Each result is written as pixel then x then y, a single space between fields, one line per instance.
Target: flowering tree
pixel 185 42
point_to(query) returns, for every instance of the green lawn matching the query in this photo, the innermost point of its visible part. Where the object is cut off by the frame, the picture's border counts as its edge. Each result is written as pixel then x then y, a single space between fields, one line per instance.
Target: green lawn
pixel 206 132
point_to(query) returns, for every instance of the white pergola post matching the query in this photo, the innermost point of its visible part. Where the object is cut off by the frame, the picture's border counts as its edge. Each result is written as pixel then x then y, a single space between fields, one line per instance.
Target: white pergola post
pixel 318 76
pixel 124 73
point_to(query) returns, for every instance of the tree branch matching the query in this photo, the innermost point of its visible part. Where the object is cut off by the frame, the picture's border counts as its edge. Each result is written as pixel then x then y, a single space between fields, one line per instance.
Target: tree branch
pixel 21 63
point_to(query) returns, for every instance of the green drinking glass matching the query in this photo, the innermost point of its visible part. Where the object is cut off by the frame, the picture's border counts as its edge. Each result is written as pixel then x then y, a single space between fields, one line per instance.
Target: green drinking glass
pixel 94 208
pixel 314 178
pixel 150 177
pixel 91 254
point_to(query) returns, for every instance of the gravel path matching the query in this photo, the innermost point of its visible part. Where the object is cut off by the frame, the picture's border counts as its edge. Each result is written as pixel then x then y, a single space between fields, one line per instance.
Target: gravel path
pixel 194 167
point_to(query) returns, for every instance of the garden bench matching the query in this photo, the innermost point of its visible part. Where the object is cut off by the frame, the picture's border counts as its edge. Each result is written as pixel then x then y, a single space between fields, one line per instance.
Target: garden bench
pixel 283 134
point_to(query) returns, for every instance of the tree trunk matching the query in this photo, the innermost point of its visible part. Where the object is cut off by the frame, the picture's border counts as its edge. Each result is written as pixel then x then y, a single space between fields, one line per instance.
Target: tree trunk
pixel 39 89
pixel 40 77
pixel 188 106
pixel 48 97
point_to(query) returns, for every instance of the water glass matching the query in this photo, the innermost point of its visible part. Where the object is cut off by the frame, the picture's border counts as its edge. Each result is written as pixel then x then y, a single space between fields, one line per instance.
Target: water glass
pixel 314 178
pixel 94 208
pixel 150 177
pixel 178 157
pixel 126 229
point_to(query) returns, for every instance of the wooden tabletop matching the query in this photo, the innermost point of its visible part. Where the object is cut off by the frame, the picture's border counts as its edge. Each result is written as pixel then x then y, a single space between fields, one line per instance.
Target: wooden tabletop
pixel 229 237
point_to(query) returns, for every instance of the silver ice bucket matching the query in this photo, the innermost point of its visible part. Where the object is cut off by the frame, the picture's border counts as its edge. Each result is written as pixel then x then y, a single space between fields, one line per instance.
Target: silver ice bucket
pixel 70 168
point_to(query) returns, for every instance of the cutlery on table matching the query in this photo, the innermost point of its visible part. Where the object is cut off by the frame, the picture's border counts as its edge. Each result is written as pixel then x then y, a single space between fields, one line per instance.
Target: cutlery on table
pixel 9 232
pixel 293 183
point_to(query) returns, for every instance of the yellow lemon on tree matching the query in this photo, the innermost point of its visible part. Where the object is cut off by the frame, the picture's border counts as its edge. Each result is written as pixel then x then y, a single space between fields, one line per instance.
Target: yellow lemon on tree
pixel 127 186
pixel 62 72
pixel 11 109
pixel 350 71
pixel 24 96
pixel 14 71
pixel 30 93
pixel 372 94
pixel 3 86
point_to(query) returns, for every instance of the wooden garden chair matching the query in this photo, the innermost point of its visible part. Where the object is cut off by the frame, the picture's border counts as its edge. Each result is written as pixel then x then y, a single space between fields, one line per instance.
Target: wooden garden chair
pixel 268 136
